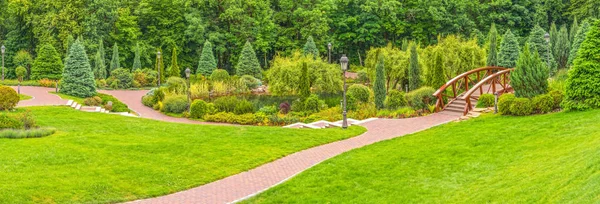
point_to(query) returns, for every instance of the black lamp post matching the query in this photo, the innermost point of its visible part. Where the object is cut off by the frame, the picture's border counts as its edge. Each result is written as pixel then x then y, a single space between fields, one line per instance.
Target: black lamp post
pixel 547 38
pixel 158 55
pixel 344 63
pixel 329 55
pixel 3 51
pixel 187 77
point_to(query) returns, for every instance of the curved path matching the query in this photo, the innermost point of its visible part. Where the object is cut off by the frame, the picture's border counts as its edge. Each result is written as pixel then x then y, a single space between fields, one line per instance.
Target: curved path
pixel 246 184
pixel 39 97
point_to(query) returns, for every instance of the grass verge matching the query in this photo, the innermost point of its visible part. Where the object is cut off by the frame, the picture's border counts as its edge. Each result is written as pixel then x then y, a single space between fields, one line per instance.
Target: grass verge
pixel 23 97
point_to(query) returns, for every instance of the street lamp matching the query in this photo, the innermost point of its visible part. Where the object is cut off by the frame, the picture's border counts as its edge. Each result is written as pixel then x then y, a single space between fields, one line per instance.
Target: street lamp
pixel 344 63
pixel 547 38
pixel 189 96
pixel 158 66
pixel 3 51
pixel 329 55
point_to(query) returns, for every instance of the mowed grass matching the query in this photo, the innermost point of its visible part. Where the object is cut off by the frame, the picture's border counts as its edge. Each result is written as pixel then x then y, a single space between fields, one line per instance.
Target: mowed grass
pixel 551 158
pixel 23 97
pixel 67 97
pixel 102 158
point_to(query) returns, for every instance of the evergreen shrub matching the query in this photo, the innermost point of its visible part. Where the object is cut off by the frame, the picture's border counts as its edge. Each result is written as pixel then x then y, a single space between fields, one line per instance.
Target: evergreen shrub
pixel 8 98
pixel 521 107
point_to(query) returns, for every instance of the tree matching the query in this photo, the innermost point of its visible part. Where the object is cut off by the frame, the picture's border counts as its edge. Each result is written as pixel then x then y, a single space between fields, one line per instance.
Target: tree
pixel 379 87
pixel 438 77
pixel 414 72
pixel 248 63
pixel 582 90
pixel 174 70
pixel 100 63
pixel 573 31
pixel 492 59
pixel 304 82
pixel 137 63
pixel 23 59
pixel 538 44
pixel 310 48
pixel 47 65
pixel 207 62
pixel 530 77
pixel 115 62
pixel 562 48
pixel 78 79
pixel 579 38
pixel 553 37
pixel 21 73
pixel 509 50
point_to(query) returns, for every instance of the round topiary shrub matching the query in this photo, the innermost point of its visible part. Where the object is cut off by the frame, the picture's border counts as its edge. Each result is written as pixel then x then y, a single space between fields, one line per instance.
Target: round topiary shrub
pixel 219 75
pixel 421 98
pixel 543 103
pixel 395 99
pixel 312 104
pixel 7 122
pixel 8 98
pixel 175 104
pixel 243 107
pixel 198 109
pixel 360 92
pixel 504 103
pixel 486 100
pixel 521 107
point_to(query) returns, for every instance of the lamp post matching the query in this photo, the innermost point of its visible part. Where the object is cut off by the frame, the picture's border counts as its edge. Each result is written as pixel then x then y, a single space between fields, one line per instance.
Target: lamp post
pixel 158 55
pixel 187 77
pixel 547 38
pixel 329 55
pixel 3 51
pixel 344 64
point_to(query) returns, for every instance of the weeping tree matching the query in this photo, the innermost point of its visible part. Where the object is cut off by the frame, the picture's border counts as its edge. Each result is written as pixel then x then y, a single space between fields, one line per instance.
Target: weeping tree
pixel 530 77
pixel 492 59
pixel 207 62
pixel 137 63
pixel 509 50
pixel 562 48
pixel 77 77
pixel 379 86
pixel 579 38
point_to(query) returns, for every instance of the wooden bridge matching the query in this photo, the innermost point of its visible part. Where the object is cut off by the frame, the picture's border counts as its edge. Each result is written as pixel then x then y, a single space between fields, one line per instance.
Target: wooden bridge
pixel 459 95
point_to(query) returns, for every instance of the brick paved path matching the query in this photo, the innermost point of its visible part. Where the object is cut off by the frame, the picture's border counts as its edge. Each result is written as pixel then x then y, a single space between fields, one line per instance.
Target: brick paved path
pixel 247 184
pixel 40 97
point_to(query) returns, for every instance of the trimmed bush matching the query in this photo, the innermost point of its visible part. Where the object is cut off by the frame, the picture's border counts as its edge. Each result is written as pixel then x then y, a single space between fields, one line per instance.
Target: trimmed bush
pixel 7 122
pixel 148 100
pixel 8 98
pixel 543 103
pixel 117 106
pixel 226 104
pixel 360 92
pixel 504 103
pixel 219 75
pixel 557 97
pixel 120 78
pixel 243 107
pixel 177 85
pixel 421 98
pixel 395 99
pixel 93 101
pixel 313 105
pixel 521 107
pixel 486 100
pixel 175 104
pixel 198 109
pixel 268 110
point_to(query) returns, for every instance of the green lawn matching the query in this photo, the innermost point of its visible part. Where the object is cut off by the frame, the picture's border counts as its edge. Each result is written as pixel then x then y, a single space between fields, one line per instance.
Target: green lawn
pixel 551 158
pixel 102 158
pixel 23 97
pixel 67 97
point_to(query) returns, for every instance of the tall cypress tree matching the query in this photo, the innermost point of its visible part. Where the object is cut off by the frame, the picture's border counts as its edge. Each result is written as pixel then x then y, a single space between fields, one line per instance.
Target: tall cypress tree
pixel 553 36
pixel 304 81
pixel 437 71
pixel 207 62
pixel 537 43
pixel 248 63
pixel 492 59
pixel 530 77
pixel 562 48
pixel 99 62
pixel 414 72
pixel 579 38
pixel 78 79
pixel 137 63
pixel 47 65
pixel 310 48
pixel 509 50
pixel 379 86
pixel 114 63
pixel 174 70
pixel 573 31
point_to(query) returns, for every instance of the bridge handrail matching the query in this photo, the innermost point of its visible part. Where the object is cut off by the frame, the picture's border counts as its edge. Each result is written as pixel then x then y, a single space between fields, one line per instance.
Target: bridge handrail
pixel 483 82
pixel 463 75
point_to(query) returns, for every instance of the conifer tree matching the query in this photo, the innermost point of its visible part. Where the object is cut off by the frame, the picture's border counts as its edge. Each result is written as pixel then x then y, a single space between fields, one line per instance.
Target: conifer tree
pixel 248 63
pixel 414 72
pixel 70 40
pixel 437 71
pixel 562 48
pixel 310 48
pixel 582 89
pixel 530 77
pixel 207 62
pixel 47 65
pixel 553 37
pixel 537 43
pixel 509 50
pixel 379 86
pixel 492 59
pixel 174 70
pixel 304 81
pixel 78 79
pixel 137 63
pixel 100 63
pixel 579 38
pixel 114 63
pixel 573 31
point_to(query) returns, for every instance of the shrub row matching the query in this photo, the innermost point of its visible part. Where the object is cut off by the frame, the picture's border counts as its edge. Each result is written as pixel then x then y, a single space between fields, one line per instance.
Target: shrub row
pixel 508 104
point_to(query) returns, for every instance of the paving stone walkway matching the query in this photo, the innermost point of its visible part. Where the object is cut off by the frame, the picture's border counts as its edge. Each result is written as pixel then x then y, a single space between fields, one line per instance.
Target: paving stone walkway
pixel 40 97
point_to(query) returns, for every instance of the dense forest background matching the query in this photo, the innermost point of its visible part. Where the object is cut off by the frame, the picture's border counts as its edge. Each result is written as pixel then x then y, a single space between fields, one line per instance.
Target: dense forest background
pixel 272 26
